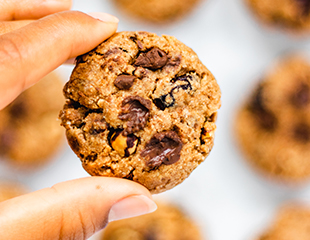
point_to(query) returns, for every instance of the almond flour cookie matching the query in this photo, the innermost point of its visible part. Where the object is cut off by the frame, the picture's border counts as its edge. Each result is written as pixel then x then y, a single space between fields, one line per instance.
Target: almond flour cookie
pixel 159 11
pixel 292 223
pixel 288 14
pixel 167 223
pixel 141 107
pixel 273 127
pixel 29 130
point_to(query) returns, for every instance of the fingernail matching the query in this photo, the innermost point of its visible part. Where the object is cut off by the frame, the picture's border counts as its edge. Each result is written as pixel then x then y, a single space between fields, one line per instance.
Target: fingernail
pixel 70 61
pixel 131 207
pixel 104 17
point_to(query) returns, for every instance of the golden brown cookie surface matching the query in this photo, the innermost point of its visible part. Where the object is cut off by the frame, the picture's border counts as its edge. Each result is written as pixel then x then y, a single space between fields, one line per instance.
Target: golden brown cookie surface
pixel 157 10
pixel 273 127
pixel 288 14
pixel 141 107
pixel 292 223
pixel 29 130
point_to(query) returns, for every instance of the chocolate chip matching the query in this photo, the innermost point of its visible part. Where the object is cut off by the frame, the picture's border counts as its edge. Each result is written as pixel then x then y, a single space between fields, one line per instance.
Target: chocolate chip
pixel 152 59
pixel 304 6
pixel 163 148
pixel 168 99
pixel 302 133
pixel 301 97
pixel 124 82
pixel 265 118
pixel 135 110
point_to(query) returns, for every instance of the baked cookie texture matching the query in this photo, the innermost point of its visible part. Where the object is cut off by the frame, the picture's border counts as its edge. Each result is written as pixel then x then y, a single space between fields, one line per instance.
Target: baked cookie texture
pixel 293 15
pixel 157 11
pixel 10 190
pixel 141 107
pixel 168 222
pixel 273 126
pixel 292 223
pixel 29 128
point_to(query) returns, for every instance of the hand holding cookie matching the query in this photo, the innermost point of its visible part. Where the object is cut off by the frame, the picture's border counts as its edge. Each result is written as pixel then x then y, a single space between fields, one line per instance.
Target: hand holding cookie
pixel 29 49
pixel 26 25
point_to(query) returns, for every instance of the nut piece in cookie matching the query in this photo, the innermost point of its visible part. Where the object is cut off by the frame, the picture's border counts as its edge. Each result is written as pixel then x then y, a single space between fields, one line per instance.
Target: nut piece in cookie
pixel 124 145
pixel 141 107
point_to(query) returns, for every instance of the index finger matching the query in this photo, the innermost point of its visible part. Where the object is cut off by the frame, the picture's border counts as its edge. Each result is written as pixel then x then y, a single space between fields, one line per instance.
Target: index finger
pixel 31 9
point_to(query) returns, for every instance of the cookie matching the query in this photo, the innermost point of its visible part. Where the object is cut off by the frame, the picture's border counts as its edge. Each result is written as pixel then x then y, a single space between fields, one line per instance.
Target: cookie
pixel 293 15
pixel 168 222
pixel 273 126
pixel 29 129
pixel 141 107
pixel 292 223
pixel 158 11
pixel 10 190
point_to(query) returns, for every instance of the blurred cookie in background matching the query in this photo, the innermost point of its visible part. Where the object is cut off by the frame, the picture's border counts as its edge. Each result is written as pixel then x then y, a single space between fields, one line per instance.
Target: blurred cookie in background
pixel 157 11
pixel 168 222
pixel 292 223
pixel 273 126
pixel 29 130
pixel 293 15
pixel 10 190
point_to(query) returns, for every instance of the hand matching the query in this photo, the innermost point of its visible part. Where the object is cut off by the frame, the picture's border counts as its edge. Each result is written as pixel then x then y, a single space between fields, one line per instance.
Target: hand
pixel 29 49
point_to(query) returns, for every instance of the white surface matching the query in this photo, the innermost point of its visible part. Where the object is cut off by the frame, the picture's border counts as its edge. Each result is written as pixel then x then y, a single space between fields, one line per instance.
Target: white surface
pixel 224 194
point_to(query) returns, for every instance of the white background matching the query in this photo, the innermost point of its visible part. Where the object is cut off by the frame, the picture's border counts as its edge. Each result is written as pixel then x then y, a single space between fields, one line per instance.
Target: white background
pixel 224 195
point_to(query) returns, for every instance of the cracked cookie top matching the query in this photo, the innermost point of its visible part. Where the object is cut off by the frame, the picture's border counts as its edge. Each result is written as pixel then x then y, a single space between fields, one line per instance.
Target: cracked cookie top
pixel 141 107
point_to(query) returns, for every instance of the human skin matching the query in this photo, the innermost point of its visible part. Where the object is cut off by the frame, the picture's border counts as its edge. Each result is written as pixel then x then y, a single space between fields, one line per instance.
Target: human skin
pixel 37 36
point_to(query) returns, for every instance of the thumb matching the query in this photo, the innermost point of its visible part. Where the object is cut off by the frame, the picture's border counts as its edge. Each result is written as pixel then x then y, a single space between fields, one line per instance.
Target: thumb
pixel 73 210
pixel 41 46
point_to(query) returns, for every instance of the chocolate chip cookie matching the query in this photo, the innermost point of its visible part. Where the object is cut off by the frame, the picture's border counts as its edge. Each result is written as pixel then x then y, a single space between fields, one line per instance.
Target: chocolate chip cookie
pixel 29 130
pixel 273 127
pixel 10 190
pixel 292 223
pixel 168 222
pixel 141 107
pixel 158 11
pixel 287 14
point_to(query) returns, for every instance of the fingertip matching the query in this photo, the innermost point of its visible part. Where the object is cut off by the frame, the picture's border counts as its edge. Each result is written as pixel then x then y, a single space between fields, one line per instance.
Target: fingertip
pixel 104 17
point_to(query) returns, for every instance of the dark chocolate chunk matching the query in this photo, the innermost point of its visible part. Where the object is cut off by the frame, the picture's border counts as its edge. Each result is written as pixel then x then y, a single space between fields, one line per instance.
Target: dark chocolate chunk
pixel 153 59
pixel 135 110
pixel 163 148
pixel 265 118
pixel 124 82
pixel 304 6
pixel 168 99
pixel 301 96
pixel 302 133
